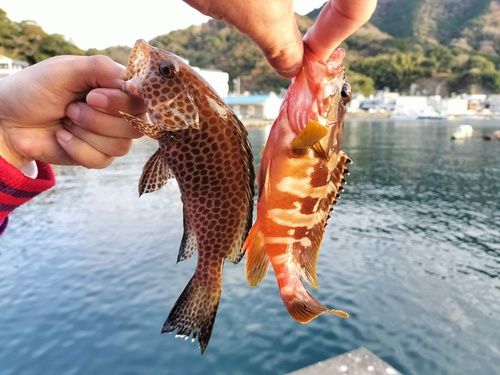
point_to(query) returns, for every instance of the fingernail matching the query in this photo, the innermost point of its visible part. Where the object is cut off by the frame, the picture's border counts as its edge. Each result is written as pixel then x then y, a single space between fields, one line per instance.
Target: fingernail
pixel 73 111
pixel 64 136
pixel 97 100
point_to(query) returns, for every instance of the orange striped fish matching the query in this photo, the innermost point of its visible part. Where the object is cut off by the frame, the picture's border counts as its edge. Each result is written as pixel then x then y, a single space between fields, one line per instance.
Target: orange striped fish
pixel 299 179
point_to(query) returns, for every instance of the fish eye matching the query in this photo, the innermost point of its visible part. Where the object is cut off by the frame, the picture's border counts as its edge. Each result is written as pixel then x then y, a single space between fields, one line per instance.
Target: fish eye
pixel 346 93
pixel 168 69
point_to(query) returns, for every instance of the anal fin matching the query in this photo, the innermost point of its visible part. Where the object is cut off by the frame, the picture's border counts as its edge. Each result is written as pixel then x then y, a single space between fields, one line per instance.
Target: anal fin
pixel 189 244
pixel 257 263
pixel 155 173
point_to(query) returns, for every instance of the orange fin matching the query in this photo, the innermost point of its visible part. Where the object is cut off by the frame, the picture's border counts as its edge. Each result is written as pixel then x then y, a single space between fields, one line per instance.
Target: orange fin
pixel 309 136
pixel 143 126
pixel 257 263
pixel 307 255
pixel 300 304
pixel 195 310
pixel 189 244
pixel 155 173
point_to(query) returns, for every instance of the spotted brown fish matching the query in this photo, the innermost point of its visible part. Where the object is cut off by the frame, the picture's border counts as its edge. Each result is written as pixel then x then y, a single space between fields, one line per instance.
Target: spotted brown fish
pixel 205 148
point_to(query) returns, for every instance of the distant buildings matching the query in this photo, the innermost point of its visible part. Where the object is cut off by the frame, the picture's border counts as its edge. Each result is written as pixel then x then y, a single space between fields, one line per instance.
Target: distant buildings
pixel 265 106
pixel 9 66
pixel 434 106
pixel 217 79
pixel 494 103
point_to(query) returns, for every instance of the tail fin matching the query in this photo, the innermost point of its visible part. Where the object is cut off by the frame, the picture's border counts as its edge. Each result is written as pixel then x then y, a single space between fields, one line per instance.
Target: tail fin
pixel 300 304
pixel 196 308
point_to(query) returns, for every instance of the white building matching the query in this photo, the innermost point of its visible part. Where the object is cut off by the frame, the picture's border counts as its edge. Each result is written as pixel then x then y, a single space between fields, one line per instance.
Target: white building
pixel 354 104
pixel 218 79
pixel 453 106
pixel 264 107
pixel 384 101
pixel 411 105
pixel 9 66
pixel 494 102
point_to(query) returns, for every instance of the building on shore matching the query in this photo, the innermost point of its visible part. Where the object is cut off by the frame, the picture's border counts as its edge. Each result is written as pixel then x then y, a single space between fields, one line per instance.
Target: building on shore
pixel 9 66
pixel 262 107
pixel 218 79
pixel 494 103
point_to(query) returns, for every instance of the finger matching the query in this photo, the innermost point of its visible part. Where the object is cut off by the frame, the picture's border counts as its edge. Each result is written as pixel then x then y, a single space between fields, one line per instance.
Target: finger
pixel 337 20
pixel 112 101
pixel 86 73
pixel 282 47
pixel 270 24
pixel 110 146
pixel 101 123
pixel 83 153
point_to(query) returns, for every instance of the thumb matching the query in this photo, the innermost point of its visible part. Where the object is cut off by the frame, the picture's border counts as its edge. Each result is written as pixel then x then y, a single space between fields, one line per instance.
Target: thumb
pixel 282 47
pixel 269 23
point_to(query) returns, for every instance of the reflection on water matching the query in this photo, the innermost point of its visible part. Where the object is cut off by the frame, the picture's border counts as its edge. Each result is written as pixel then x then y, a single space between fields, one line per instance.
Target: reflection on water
pixel 412 253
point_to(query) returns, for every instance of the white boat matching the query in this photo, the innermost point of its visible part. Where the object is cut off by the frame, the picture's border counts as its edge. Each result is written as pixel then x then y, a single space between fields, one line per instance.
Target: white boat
pixel 462 132
pixel 403 117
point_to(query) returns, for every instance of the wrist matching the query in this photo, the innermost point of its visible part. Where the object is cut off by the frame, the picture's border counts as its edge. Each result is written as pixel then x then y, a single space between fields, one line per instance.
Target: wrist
pixel 7 150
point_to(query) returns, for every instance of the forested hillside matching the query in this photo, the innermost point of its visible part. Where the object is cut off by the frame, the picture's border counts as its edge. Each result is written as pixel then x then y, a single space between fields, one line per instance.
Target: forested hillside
pixel 445 45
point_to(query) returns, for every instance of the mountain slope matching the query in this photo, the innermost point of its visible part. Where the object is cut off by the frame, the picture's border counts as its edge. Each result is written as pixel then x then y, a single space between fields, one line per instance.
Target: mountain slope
pixel 437 21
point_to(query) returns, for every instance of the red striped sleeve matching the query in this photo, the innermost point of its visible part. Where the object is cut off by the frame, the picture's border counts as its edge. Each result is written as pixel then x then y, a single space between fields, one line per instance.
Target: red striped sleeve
pixel 17 188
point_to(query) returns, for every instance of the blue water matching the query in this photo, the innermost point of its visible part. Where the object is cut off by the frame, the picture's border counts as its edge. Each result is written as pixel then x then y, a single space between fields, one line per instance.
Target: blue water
pixel 88 272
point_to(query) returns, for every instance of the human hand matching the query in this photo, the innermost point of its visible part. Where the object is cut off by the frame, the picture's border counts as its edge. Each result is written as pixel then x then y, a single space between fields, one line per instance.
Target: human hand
pixel 271 24
pixel 64 111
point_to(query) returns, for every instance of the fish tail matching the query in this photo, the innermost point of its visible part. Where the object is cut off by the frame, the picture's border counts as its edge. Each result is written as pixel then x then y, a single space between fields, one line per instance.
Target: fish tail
pixel 196 308
pixel 300 304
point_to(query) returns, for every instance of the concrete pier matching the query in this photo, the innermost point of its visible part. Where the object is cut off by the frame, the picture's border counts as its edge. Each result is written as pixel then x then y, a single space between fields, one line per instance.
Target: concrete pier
pixel 358 362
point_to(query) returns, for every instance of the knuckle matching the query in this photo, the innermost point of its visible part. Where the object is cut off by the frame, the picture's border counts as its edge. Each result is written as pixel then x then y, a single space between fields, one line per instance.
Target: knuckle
pixel 99 162
pixel 100 61
pixel 123 147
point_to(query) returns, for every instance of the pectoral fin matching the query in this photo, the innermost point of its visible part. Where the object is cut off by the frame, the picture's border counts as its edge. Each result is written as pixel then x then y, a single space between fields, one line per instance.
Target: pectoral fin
pixel 143 126
pixel 309 136
pixel 155 173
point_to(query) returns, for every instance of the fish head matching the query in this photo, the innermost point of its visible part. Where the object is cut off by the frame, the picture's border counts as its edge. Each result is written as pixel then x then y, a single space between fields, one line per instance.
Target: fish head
pixel 320 93
pixel 166 84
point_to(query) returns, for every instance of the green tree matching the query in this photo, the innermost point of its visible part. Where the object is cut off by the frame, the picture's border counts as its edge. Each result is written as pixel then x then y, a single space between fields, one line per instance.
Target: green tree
pixel 54 45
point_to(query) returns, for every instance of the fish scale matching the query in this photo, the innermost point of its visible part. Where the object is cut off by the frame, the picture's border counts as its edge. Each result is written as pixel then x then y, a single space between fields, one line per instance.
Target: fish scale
pixel 205 148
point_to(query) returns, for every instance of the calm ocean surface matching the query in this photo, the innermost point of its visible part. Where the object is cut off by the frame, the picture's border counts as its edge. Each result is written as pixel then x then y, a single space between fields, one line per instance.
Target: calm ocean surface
pixel 88 272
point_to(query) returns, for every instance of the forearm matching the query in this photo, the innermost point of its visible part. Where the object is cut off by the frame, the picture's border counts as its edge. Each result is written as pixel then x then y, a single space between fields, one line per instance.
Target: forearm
pixel 17 188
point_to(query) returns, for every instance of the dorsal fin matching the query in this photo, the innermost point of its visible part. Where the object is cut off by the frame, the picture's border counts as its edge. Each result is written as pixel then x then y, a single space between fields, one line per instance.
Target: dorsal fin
pixel 155 173
pixel 307 255
pixel 309 136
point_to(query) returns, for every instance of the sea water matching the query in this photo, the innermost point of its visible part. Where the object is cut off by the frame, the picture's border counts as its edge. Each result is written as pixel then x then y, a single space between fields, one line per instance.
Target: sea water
pixel 88 271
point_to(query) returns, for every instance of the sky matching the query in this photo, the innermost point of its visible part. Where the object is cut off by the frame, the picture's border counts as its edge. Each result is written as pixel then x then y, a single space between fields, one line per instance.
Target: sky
pixel 103 23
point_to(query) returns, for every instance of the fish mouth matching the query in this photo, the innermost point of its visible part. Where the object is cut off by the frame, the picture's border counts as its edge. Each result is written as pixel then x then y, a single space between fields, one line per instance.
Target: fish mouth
pixel 137 68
